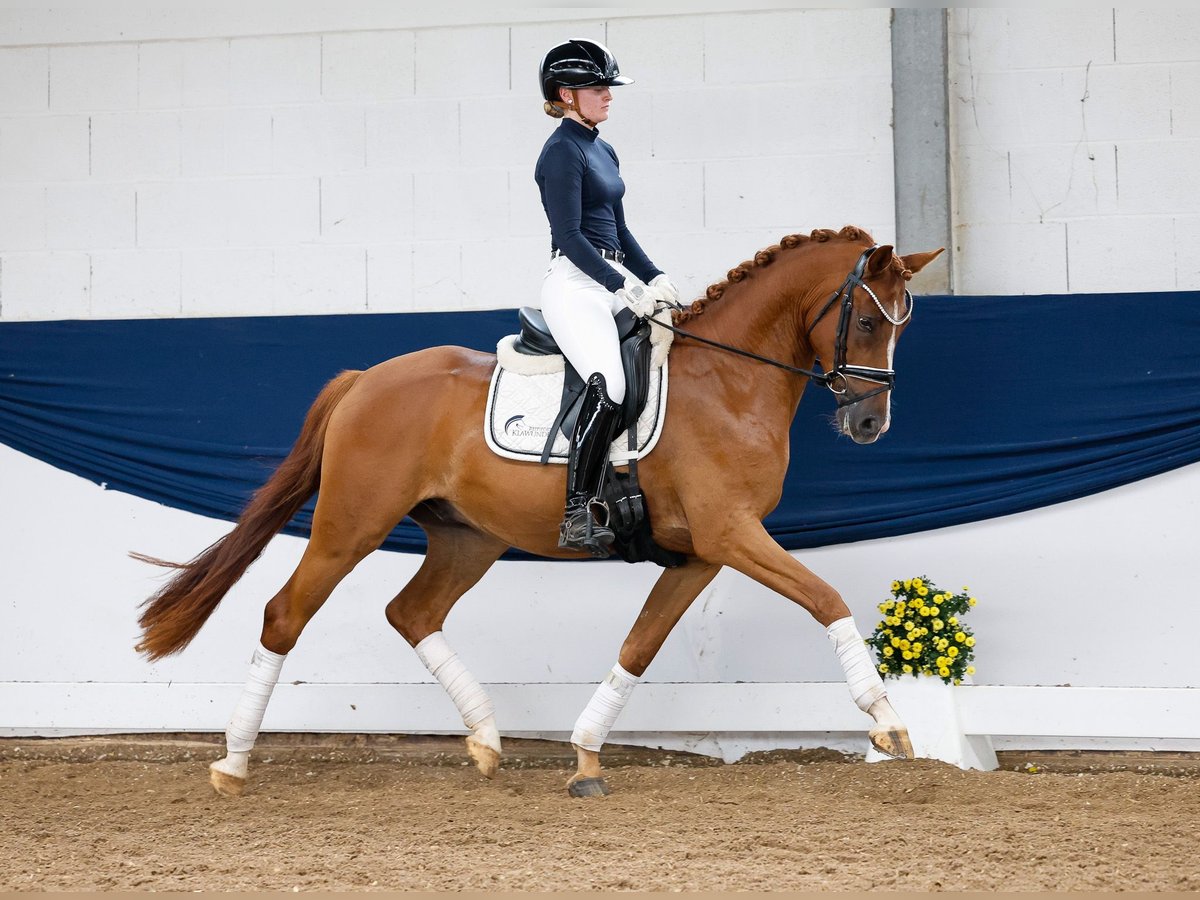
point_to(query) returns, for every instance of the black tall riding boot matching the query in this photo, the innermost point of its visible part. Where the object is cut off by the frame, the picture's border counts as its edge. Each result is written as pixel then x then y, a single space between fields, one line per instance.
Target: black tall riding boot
pixel 593 433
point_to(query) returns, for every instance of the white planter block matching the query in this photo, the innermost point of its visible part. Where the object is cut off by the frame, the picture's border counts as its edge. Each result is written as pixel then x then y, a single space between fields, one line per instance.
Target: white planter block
pixel 929 707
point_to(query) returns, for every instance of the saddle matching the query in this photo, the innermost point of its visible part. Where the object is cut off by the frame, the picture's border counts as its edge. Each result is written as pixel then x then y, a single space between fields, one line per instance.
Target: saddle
pixel 628 516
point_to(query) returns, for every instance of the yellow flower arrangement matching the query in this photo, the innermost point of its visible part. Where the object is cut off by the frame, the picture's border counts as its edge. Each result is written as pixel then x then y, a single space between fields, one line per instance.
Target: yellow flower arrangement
pixel 915 607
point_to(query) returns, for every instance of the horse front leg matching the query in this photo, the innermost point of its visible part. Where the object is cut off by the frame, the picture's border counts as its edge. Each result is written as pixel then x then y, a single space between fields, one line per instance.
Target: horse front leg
pixel 456 559
pixel 753 552
pixel 673 593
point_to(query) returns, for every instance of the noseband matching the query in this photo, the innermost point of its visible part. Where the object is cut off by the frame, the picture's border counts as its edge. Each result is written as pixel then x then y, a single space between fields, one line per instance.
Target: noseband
pixel 837 378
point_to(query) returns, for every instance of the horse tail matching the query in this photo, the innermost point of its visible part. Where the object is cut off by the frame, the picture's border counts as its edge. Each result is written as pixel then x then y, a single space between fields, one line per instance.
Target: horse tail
pixel 173 616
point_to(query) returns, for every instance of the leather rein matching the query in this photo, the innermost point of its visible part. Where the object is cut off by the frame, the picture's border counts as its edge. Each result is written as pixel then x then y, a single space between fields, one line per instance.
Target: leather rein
pixel 837 378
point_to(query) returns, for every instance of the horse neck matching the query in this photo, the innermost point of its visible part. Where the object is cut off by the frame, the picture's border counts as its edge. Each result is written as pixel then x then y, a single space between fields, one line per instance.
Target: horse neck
pixel 761 315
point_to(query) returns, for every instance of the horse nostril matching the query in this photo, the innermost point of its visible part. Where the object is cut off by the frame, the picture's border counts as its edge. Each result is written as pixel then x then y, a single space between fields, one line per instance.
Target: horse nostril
pixel 869 425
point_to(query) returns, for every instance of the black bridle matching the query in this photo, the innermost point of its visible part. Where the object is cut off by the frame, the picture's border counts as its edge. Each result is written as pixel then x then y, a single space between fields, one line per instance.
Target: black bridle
pixel 837 378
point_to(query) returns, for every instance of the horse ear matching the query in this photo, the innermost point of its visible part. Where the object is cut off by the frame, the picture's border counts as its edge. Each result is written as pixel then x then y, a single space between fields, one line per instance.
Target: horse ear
pixel 915 262
pixel 879 260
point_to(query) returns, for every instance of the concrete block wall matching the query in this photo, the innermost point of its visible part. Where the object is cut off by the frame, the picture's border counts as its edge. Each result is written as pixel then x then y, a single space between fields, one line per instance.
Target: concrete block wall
pixel 391 168
pixel 1075 135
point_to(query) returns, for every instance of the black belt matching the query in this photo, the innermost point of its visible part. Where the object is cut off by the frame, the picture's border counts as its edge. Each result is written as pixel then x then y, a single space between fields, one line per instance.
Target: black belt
pixel 615 255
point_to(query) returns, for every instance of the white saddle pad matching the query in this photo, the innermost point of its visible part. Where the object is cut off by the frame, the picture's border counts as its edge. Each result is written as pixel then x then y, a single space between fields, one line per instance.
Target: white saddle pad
pixel 523 402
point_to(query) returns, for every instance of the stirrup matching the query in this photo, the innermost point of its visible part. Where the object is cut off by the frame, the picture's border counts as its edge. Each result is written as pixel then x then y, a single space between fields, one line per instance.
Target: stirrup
pixel 580 530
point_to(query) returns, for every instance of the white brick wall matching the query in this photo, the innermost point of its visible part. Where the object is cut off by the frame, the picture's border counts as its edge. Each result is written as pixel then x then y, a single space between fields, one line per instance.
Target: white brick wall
pixel 390 167
pixel 1074 140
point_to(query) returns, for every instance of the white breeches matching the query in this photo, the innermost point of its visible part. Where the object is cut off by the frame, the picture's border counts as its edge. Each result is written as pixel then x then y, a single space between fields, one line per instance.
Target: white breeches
pixel 579 312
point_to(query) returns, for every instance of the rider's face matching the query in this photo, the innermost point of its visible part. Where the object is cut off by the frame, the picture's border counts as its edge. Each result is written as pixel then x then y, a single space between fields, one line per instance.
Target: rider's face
pixel 593 103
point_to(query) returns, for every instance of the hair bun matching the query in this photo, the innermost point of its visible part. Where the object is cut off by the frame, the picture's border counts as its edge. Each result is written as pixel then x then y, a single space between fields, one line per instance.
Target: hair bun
pixel 552 111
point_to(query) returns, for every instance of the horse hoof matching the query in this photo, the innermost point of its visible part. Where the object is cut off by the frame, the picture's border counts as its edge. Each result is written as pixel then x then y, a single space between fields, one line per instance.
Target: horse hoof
pixel 225 784
pixel 587 787
pixel 486 759
pixel 893 742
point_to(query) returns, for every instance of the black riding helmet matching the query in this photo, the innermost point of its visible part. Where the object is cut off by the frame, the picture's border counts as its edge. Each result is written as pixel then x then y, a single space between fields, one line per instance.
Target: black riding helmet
pixel 576 64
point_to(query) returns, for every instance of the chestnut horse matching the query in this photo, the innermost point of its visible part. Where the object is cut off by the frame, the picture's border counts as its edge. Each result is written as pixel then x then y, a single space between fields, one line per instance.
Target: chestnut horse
pixel 405 438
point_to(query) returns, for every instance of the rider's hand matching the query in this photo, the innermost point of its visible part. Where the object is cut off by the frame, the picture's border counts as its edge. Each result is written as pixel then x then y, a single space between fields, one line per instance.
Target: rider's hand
pixel 640 299
pixel 669 292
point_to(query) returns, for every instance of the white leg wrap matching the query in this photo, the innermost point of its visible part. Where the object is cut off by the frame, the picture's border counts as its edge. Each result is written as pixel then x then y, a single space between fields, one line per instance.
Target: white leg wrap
pixel 602 710
pixel 248 715
pixel 443 663
pixel 866 686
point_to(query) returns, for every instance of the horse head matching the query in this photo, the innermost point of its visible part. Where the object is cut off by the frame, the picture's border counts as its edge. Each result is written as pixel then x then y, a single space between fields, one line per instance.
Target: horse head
pixel 855 332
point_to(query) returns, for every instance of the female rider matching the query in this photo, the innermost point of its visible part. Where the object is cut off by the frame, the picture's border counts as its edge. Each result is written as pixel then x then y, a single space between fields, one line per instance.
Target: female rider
pixel 596 267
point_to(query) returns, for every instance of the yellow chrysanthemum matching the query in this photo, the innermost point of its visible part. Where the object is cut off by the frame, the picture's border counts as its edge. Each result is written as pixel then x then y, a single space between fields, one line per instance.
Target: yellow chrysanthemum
pixel 953 620
pixel 883 607
pixel 905 645
pixel 958 681
pixel 883 668
pixel 916 648
pixel 970 670
pixel 907 669
pixel 923 591
pixel 937 624
pixel 971 601
pixel 925 610
pixel 888 651
pixel 896 586
pixel 942 644
pixel 960 636
pixel 895 642
pixel 970 642
pixel 908 625
pixel 908 584
pixel 935 609
pixel 907 654
pixel 952 652
pixel 917 583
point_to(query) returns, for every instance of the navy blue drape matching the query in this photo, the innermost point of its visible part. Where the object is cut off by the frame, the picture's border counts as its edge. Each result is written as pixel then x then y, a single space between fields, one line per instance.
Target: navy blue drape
pixel 1002 404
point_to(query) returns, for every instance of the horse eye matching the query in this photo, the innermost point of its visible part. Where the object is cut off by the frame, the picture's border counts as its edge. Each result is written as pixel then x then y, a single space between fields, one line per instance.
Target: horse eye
pixel 866 324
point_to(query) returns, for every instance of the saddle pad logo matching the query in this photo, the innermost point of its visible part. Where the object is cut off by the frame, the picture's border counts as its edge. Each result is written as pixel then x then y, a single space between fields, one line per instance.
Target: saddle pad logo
pixel 517 427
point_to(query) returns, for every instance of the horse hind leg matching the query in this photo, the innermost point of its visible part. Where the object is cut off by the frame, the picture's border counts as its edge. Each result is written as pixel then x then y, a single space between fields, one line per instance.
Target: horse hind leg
pixel 330 555
pixel 457 557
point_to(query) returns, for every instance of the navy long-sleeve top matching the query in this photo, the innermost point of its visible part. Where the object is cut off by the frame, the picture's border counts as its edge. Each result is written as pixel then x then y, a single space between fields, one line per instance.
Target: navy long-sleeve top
pixel 580 180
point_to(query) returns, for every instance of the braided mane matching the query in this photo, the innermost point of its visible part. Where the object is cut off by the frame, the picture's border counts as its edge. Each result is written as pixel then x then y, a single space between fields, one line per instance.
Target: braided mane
pixel 767 255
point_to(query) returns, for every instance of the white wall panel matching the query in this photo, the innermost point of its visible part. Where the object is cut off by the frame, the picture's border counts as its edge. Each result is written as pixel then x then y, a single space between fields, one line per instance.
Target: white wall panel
pixel 1104 256
pixel 130 284
pixel 225 141
pixel 181 74
pixel 1165 33
pixel 412 135
pixel 318 138
pixel 519 628
pixel 93 78
pixel 23 222
pixel 44 148
pixel 229 281
pixel 24 79
pixel 367 66
pixel 462 62
pixel 390 278
pixel 89 215
pixel 275 70
pixel 362 208
pixel 45 285
pixel 131 146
